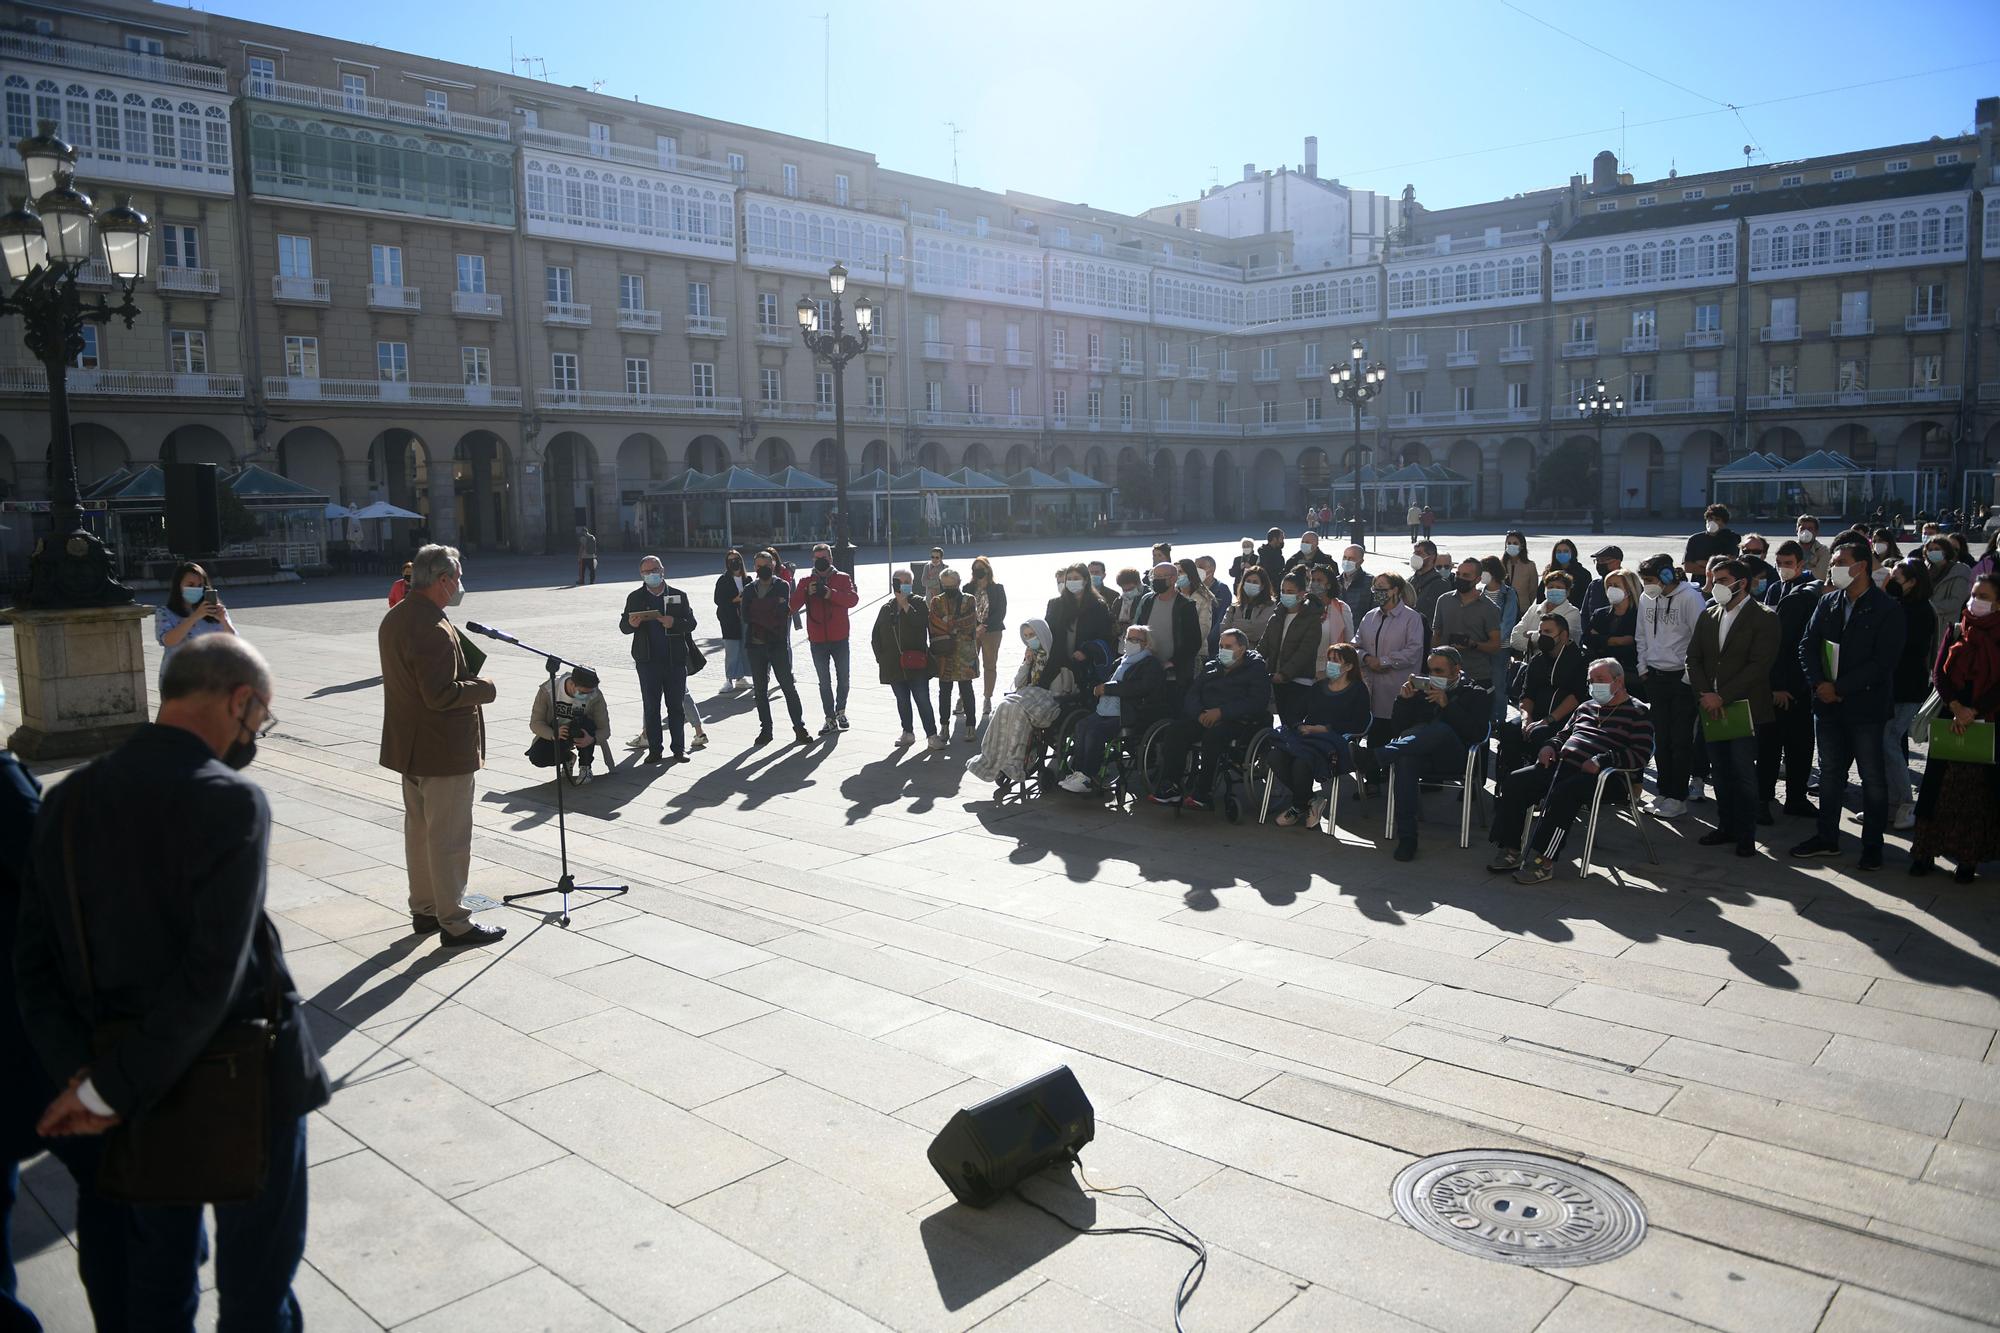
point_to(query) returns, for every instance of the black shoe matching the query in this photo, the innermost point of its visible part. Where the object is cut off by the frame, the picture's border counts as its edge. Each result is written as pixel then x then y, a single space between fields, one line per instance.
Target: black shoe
pixel 1165 796
pixel 1764 813
pixel 1406 847
pixel 1801 809
pixel 474 936
pixel 680 757
pixel 802 736
pixel 763 738
pixel 652 756
pixel 1921 866
pixel 1715 838
pixel 1746 849
pixel 1814 846
pixel 1869 861
pixel 1965 874
pixel 423 923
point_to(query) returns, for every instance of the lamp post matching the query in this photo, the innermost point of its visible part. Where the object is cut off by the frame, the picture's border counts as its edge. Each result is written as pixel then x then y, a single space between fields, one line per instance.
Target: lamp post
pixel 835 346
pixel 1355 383
pixel 1597 404
pixel 44 247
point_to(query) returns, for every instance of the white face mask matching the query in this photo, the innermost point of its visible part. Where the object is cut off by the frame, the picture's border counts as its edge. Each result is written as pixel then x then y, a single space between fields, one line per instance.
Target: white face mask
pixel 1614 595
pixel 458 593
pixel 1513 548
pixel 1252 589
pixel 1840 576
pixel 1881 548
pixel 1882 576
pixel 1226 656
pixel 1349 566
pixel 1074 585
pixel 1979 606
pixel 1417 563
pixel 1806 536
pixel 1134 648
pixel 1714 526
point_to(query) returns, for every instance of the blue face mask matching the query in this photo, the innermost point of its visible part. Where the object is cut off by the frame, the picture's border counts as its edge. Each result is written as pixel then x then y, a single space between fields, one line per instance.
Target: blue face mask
pixel 1226 656
pixel 1600 691
pixel 1097 580
pixel 1935 557
pixel 654 580
pixel 1288 600
pixel 1333 670
pixel 1182 583
pixel 1557 596
pixel 903 588
pixel 584 696
pixel 1562 557
pixel 1034 644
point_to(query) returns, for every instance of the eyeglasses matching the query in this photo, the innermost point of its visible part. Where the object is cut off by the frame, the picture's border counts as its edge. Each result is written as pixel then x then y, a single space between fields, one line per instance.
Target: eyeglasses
pixel 270 723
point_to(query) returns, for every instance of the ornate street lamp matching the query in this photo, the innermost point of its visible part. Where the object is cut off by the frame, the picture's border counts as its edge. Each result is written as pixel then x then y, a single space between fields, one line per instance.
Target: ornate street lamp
pixel 44 248
pixel 1355 383
pixel 1597 404
pixel 836 347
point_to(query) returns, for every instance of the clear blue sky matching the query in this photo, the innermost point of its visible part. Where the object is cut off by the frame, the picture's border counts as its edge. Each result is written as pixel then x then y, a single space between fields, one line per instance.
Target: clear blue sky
pixel 1124 105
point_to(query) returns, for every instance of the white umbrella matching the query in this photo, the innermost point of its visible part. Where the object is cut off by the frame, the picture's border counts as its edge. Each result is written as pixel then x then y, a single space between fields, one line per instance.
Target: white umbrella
pixel 383 509
pixel 338 511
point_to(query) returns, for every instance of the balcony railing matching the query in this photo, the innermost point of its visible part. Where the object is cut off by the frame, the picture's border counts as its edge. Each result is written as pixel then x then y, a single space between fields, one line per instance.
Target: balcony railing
pixel 1702 338
pixel 375 108
pixel 779 411
pixel 1658 407
pixel 771 337
pixel 1470 417
pixel 939 351
pixel 388 296
pixel 300 291
pixel 1097 365
pixel 112 60
pixel 1166 370
pixel 391 391
pixel 1460 360
pixel 1062 360
pixel 661 404
pixel 188 281
pixel 1265 375
pixel 1852 328
pixel 638 321
pixel 1019 356
pixel 570 314
pixel 1225 375
pixel 1641 342
pixel 1514 356
pixel 479 305
pixel 94 273
pixel 983 420
pixel 1926 323
pixel 1197 373
pixel 1938 393
pixel 707 326
pixel 652 158
pixel 1580 347
pixel 1131 369
pixel 1421 361
pixel 978 356
pixel 1309 371
pixel 125 383
pixel 1224 428
pixel 1778 333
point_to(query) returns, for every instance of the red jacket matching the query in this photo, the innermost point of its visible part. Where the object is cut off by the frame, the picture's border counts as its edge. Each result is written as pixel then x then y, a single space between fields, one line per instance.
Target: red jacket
pixel 826 617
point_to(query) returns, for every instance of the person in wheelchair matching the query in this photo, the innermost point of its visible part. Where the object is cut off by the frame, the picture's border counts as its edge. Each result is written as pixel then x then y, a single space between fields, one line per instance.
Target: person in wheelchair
pixel 571 727
pixel 1436 719
pixel 1611 730
pixel 1039 684
pixel 1227 703
pixel 1316 748
pixel 1551 688
pixel 1136 693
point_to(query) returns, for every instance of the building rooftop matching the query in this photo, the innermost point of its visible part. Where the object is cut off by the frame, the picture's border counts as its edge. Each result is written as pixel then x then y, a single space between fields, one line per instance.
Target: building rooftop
pixel 1791 199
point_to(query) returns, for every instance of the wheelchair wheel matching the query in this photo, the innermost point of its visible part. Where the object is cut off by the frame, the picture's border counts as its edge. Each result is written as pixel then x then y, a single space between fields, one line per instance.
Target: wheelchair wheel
pixel 1062 742
pixel 1256 751
pixel 1232 809
pixel 1150 767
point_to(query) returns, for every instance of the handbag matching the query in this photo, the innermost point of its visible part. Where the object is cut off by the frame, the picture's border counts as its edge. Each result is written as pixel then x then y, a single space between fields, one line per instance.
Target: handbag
pixel 914 659
pixel 207 1139
pixel 1927 712
pixel 696 658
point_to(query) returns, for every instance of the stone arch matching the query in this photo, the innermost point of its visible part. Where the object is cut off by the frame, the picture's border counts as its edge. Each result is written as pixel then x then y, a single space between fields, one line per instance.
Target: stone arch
pixel 1228 488
pixel 1020 458
pixel 1855 441
pixel 1640 459
pixel 196 443
pixel 311 456
pixel 1315 473
pixel 1059 458
pixel 483 491
pixel 1923 446
pixel 100 451
pixel 931 455
pixel 705 453
pixel 1267 489
pixel 1701 453
pixel 1096 465
pixel 875 456
pixel 569 487
pixel 977 457
pixel 828 462
pixel 1466 460
pixel 1784 442
pixel 1166 485
pixel 1196 498
pixel 1517 473
pixel 642 460
pixel 774 455
pixel 1131 483
pixel 1414 451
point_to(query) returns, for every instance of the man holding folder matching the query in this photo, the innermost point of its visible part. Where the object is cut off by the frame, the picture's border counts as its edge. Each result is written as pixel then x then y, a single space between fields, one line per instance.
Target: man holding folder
pixel 1849 655
pixel 1729 668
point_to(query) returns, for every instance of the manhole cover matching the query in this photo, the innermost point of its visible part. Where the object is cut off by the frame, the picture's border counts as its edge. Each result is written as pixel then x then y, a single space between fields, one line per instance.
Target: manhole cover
pixel 1520 1208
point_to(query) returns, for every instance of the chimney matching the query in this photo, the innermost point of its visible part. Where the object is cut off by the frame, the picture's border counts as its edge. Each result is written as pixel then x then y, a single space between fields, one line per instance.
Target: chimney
pixel 1312 157
pixel 1604 170
pixel 1249 171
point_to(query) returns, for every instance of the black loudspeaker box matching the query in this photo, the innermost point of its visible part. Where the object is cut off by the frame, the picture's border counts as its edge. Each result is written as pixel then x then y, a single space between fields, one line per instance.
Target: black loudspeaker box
pixel 194 509
pixel 986 1149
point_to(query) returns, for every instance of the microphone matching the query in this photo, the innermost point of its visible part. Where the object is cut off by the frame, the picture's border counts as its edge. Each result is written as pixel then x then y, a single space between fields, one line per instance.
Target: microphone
pixel 490 632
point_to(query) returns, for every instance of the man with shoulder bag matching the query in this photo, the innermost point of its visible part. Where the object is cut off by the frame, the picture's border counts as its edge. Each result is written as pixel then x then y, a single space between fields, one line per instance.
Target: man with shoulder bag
pixel 155 988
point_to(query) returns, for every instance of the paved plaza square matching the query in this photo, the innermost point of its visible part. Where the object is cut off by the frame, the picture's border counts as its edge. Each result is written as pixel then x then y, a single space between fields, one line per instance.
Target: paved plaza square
pixel 705 1105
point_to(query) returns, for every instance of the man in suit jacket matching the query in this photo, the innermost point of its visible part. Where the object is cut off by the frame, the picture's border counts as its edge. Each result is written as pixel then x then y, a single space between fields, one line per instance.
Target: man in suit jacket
pixel 435 736
pixel 174 945
pixel 659 618
pixel 1729 662
pixel 1852 701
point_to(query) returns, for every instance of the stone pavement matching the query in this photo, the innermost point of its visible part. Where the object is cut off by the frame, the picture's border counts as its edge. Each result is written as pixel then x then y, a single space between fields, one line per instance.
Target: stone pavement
pixel 705 1105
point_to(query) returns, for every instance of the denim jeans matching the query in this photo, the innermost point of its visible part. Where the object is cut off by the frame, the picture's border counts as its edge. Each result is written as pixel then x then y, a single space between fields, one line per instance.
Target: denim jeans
pixel 1433 750
pixel 1896 754
pixel 767 660
pixel 1858 744
pixel 735 662
pixel 917 693
pixel 834 656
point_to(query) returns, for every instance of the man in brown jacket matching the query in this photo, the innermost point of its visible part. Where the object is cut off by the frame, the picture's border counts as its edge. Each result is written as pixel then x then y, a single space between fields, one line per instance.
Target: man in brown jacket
pixel 433 734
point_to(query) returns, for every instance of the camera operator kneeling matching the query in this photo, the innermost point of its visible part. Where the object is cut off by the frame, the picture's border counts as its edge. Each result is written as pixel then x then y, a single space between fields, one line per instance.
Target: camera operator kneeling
pixel 571 727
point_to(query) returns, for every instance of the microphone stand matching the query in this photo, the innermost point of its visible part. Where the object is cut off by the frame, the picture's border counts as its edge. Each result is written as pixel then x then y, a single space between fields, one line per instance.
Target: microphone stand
pixel 567 884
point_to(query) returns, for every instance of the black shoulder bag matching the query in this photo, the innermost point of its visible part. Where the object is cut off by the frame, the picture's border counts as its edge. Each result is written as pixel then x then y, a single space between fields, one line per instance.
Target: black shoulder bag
pixel 207 1140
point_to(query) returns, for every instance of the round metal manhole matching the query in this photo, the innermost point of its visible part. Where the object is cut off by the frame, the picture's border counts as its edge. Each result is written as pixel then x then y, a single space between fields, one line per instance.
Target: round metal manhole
pixel 1520 1208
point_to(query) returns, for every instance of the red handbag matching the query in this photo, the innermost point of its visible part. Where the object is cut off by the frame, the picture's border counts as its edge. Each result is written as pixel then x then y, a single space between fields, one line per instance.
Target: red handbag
pixel 915 659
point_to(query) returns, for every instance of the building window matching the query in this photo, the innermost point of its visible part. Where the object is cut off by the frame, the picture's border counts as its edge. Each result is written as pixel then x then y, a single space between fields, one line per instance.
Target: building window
pixel 1267 411
pixel 1945 160
pixel 1705 385
pixel 840 189
pixel 702 375
pixel 735 161
pixel 791 170
pixel 1851 376
pixel 1708 317
pixel 392 362
pixel 1094 405
pixel 1899 164
pixel 1124 347
pixel 472 273
pixel 1782 380
pixel 975 334
pixel 1461 340
pixel 187 351
pixel 437 107
pixel 600 139
pixel 1267 358
pixel 295 256
pixel 1648 200
pixel 1013 400
pixel 559 284
pixel 530 117
pixel 1311 356
pixel 1785 312
pixel 1062 237
pixel 475 365
pixel 263 74
pixel 975 398
pixel 638 376
pixel 1608 206
pixel 979 225
pixel 1696 193
pixel 1517 336
pixel 1413 344
pixel 1927 298
pixel 878 395
pixel 385 265
pixel 146 46
pixel 698 300
pixel 1741 187
pixel 768 387
pixel 354 91
pixel 1645 323
pixel 562 372
pixel 1926 371
pixel 1843 173
pixel 1059 341
pixel 1059 403
pixel 301 357
pixel 1582 328
pixel 1639 388
pixel 631 291
pixel 1125 408
pixel 1465 397
pixel 89 357
pixel 932 329
pixel 1789 182
pixel 1313 408
pixel 1517 394
pixel 1096 344
pixel 668 148
pixel 933 396
pixel 1413 402
pixel 180 246
pixel 767 312
pixel 823 388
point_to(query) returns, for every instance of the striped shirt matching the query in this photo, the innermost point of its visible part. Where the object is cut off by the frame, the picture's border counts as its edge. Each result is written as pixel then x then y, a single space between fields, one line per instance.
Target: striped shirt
pixel 1615 735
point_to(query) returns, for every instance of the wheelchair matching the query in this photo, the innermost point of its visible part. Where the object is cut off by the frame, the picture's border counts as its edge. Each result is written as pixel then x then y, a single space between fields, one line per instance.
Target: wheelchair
pixel 1048 759
pixel 1132 765
pixel 1238 766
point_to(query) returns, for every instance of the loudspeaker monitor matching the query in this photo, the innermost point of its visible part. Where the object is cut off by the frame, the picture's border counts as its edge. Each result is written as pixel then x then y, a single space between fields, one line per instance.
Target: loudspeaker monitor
pixel 984 1150
pixel 194 509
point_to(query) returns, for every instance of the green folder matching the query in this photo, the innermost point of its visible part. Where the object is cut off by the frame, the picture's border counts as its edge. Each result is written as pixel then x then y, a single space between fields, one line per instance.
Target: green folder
pixel 1974 747
pixel 1829 657
pixel 1733 725
pixel 474 658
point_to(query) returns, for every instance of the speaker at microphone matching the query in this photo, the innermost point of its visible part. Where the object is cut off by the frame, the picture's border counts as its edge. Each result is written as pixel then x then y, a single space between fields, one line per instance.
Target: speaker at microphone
pixel 985 1150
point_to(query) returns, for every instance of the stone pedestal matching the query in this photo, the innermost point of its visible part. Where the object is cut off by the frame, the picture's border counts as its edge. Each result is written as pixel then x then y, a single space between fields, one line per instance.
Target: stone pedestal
pixel 83 679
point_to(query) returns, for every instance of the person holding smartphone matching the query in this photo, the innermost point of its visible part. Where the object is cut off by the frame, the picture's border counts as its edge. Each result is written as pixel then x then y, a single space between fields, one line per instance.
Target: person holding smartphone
pixel 193 609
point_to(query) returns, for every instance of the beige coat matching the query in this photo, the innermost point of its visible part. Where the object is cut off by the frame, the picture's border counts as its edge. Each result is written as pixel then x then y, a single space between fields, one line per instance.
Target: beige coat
pixel 431 723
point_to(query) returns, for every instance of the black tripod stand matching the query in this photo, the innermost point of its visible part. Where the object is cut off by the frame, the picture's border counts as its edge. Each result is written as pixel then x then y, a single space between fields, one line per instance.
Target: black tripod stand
pixel 567 884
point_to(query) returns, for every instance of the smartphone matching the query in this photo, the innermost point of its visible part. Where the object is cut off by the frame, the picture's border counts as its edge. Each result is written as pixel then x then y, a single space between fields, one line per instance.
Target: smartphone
pixel 209 595
pixel 1421 683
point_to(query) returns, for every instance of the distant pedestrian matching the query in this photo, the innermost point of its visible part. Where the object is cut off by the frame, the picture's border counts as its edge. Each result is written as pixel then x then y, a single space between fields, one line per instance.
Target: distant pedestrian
pixel 401 587
pixel 1428 520
pixel 729 618
pixel 586 557
pixel 1415 519
pixel 193 609
pixel 954 651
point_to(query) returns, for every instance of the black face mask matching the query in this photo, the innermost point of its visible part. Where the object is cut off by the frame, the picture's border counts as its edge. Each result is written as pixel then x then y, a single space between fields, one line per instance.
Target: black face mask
pixel 1604 567
pixel 822 564
pixel 1466 587
pixel 1546 642
pixel 1161 585
pixel 763 571
pixel 241 752
pixel 735 564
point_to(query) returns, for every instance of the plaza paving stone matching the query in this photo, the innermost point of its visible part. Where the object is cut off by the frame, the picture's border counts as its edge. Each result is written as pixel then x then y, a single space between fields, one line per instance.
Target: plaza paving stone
pixel 705 1104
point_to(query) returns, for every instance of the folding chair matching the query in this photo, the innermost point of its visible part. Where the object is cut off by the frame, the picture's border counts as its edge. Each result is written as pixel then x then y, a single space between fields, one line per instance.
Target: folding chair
pixel 1469 785
pixel 1634 781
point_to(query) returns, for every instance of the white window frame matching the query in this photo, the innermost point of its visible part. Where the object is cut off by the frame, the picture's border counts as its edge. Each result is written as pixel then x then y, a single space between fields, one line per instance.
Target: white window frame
pixel 475 366
pixel 385 265
pixel 301 356
pixel 187 351
pixel 392 361
pixel 564 374
pixel 791 175
pixel 638 377
pixel 470 274
pixel 878 392
pixel 767 313
pixel 631 291
pixel 840 188
pixel 295 256
pixel 770 385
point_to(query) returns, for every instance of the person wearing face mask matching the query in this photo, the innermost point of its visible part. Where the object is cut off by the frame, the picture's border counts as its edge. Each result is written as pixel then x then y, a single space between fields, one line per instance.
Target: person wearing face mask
pixel 1849 654
pixel 1437 718
pixel 1131 587
pixel 826 596
pixel 1391 640
pixel 1107 593
pixel 1256 602
pixel 1309 555
pixel 1336 621
pixel 729 587
pixel 1136 693
pixel 1353 583
pixel 1610 729
pixel 1034 703
pixel 1219 599
pixel 1225 705
pixel 1470 622
pixel 1715 538
pixel 1910 586
pixel 1551 687
pixel 131 965
pixel 1669 608
pixel 1208 616
pixel 570 727
pixel 1290 645
pixel 1518 566
pixel 1817 554
pixel 1729 664
pixel 1614 631
pixel 1956 803
pixel 1563 559
pixel 401 587
pixel 767 642
pixel 1428 581
pixel 1882 542
pixel 1174 623
pixel 989 603
pixel 1557 599
pixel 901 639
pixel 1606 560
pixel 189 613
pixel 1951 581
pixel 1787 744
pixel 954 652
pixel 434 735
pixel 1246 559
pixel 1316 747
pixel 658 620
pixel 1080 628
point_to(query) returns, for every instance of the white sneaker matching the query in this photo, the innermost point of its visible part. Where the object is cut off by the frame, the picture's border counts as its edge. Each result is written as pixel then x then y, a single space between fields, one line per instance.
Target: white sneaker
pixel 935 743
pixel 907 738
pixel 1695 792
pixel 638 742
pixel 700 741
pixel 1076 782
pixel 1906 817
pixel 584 779
pixel 1663 808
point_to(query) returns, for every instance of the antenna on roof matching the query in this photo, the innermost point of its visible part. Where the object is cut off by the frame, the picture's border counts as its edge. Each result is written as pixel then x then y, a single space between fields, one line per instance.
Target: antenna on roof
pixel 952 125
